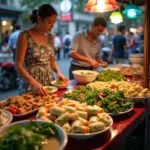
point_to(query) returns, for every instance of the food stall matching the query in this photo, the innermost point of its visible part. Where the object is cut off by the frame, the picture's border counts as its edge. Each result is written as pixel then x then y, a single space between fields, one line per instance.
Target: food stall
pixel 134 119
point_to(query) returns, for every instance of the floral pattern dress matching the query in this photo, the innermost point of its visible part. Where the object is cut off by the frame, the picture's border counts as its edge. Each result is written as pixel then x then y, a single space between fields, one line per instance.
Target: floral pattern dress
pixel 37 63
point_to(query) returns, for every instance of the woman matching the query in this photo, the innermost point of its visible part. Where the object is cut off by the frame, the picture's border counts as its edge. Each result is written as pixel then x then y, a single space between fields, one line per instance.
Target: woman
pixel 35 59
pixel 132 44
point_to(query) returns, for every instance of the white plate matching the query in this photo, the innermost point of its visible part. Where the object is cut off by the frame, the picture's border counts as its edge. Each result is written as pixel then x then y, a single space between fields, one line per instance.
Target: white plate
pixel 112 68
pixel 9 116
pixel 61 133
pixel 63 86
pixel 140 98
pixel 121 113
pixel 54 89
pixel 26 114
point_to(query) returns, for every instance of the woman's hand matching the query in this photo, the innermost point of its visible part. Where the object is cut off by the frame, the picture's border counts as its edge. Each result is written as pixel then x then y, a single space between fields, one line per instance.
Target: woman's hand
pixel 60 76
pixel 39 89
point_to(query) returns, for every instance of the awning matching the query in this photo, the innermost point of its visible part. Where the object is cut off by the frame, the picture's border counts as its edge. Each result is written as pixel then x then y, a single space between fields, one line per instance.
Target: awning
pixel 9 12
pixel 137 2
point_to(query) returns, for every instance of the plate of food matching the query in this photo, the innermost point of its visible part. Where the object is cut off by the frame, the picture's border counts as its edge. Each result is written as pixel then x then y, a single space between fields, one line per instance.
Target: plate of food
pixel 51 89
pixel 80 121
pixel 121 113
pixel 33 135
pixel 5 117
pixel 128 71
pixel 26 104
pixel 60 84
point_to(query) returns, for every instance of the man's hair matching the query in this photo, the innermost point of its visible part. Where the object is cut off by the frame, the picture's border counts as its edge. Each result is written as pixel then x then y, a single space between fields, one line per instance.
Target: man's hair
pixel 121 28
pixel 17 27
pixel 100 21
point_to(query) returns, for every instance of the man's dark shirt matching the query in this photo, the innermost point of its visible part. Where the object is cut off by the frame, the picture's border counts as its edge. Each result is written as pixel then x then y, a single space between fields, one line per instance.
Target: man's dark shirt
pixel 119 41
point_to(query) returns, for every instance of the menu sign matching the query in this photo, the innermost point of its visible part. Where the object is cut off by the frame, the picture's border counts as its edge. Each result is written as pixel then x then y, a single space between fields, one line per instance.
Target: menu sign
pixel 66 10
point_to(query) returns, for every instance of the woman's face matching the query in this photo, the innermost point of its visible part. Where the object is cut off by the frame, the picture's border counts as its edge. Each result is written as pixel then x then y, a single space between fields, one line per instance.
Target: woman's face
pixel 47 24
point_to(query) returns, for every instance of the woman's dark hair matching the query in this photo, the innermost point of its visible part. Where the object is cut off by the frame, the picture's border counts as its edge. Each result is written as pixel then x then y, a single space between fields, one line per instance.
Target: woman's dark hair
pixel 43 11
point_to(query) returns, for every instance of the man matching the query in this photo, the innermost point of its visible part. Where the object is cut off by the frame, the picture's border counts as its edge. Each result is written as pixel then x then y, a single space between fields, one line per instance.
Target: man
pixel 86 48
pixel 13 39
pixel 118 47
pixel 66 44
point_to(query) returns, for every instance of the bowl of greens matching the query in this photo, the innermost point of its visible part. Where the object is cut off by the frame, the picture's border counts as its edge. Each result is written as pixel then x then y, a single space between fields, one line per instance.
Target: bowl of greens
pixel 60 84
pixel 85 76
pixel 35 135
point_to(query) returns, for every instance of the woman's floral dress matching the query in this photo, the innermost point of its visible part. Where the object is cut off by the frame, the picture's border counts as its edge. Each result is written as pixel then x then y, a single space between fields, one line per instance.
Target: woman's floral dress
pixel 37 63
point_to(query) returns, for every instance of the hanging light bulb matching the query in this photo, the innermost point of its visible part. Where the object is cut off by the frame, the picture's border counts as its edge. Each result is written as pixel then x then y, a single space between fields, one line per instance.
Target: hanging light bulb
pixel 116 17
pixel 132 11
pixel 101 5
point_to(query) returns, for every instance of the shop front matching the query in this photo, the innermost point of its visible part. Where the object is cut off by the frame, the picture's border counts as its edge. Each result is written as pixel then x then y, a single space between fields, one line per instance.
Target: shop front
pixel 8 18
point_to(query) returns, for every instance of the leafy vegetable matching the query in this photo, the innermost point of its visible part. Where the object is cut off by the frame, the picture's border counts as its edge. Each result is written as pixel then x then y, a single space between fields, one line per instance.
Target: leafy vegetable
pixel 110 101
pixel 110 75
pixel 28 136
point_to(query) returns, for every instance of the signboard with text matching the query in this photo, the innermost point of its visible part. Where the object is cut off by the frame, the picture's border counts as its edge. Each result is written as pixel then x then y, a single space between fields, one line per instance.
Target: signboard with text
pixel 66 10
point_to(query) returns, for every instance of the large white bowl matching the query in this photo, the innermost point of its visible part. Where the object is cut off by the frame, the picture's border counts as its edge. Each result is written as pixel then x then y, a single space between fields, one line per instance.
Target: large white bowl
pixel 61 133
pixel 134 60
pixel 85 79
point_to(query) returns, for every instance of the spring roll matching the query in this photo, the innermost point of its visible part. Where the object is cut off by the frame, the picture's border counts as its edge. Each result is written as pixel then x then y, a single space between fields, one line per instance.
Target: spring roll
pixel 92 111
pixel 80 108
pixel 67 127
pixel 93 119
pixel 74 116
pixel 106 121
pixel 82 114
pixel 45 119
pixel 52 117
pixel 80 129
pixel 42 111
pixel 74 102
pixel 69 108
pixel 97 126
pixel 83 121
pixel 83 104
pixel 76 123
pixel 63 102
pixel 101 115
pixel 61 120
pixel 99 109
pixel 57 110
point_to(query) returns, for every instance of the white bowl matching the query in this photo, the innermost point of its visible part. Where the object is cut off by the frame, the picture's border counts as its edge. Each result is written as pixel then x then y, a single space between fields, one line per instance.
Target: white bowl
pixel 9 117
pixel 63 86
pixel 83 78
pixel 136 60
pixel 63 139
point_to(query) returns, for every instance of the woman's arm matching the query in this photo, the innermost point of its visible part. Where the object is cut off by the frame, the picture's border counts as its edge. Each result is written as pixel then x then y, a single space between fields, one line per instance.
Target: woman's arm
pixel 20 55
